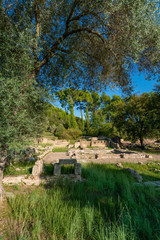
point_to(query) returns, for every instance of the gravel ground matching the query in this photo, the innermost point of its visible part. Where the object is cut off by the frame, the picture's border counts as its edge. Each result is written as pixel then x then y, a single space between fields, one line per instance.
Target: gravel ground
pixel 55 156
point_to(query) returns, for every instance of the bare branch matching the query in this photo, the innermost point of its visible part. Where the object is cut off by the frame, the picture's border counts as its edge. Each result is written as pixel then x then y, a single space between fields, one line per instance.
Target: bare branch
pixel 70 14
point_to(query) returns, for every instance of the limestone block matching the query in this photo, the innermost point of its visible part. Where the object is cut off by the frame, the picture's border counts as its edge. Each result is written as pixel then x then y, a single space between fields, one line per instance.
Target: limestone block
pixel 114 145
pixel 77 169
pixel 67 161
pixel 148 156
pixel 135 174
pixel 119 165
pixel 122 155
pixel 57 169
pixel 38 168
pixel 96 156
pixel 77 144
pixel 71 146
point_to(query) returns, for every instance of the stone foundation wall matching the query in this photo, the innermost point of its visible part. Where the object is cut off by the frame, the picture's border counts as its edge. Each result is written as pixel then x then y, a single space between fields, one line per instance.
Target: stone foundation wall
pixel 98 143
pixel 85 144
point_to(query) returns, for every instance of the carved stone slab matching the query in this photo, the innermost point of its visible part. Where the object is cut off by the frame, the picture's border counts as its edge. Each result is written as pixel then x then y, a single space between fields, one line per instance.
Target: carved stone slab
pixel 67 161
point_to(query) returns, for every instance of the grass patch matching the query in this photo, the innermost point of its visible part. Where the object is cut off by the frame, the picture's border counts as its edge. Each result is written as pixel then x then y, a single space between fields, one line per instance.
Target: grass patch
pixel 60 149
pixel 45 144
pixel 72 141
pixel 19 168
pixel 90 147
pixel 107 206
pixel 149 151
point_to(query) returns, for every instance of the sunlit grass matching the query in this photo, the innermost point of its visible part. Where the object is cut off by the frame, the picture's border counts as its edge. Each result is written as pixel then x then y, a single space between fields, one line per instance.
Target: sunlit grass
pixel 60 149
pixel 107 206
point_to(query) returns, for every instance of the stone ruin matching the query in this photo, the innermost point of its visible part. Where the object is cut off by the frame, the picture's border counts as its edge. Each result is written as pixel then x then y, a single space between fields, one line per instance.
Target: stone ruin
pixel 38 168
pixel 96 142
pixel 77 167
pixel 106 154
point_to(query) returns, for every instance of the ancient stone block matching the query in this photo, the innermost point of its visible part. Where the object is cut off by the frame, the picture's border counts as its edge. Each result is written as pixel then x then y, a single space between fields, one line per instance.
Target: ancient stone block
pixel 135 174
pixel 148 156
pixel 77 169
pixel 77 144
pixel 67 161
pixel 122 155
pixel 38 168
pixel 114 145
pixel 57 169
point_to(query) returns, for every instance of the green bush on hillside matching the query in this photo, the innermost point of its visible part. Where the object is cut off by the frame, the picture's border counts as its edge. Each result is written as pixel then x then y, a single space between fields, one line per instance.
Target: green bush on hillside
pixel 59 131
pixel 71 134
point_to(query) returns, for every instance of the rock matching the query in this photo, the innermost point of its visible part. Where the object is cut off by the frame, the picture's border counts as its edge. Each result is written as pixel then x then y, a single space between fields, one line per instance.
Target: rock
pixel 122 155
pixel 148 156
pixel 9 195
pixel 71 146
pixel 96 156
pixel 135 174
pixel 119 165
pixel 57 169
pixel 38 168
pixel 18 169
pixel 77 144
pixel 141 163
pixel 1 193
pixel 77 169
pixel 31 159
pixel 67 161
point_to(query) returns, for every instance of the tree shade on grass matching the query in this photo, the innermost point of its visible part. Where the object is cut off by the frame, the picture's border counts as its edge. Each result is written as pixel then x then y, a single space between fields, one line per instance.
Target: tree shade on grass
pixel 107 206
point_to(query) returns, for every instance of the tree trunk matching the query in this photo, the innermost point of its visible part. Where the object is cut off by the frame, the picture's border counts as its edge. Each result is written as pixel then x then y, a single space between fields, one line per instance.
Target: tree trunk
pixel 141 141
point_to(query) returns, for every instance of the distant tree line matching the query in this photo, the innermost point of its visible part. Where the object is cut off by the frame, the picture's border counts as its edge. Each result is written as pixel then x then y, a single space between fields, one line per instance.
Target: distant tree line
pixel 133 118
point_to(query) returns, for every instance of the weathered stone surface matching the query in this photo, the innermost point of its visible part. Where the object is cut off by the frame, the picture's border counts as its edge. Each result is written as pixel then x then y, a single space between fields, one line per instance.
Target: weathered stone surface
pixel 119 165
pixel 98 143
pixel 9 195
pixel 31 159
pixel 77 144
pixel 96 156
pixel 148 156
pixel 114 145
pixel 77 169
pixel 67 161
pixel 57 169
pixel 85 144
pixel 141 163
pixel 22 179
pixel 135 174
pixel 38 168
pixel 71 146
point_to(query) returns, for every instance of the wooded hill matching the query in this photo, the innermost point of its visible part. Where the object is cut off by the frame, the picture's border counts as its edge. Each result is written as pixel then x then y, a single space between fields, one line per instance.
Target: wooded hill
pixel 135 117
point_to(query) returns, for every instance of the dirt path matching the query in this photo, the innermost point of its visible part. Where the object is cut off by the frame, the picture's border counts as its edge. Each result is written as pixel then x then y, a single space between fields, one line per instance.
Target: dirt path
pixel 53 157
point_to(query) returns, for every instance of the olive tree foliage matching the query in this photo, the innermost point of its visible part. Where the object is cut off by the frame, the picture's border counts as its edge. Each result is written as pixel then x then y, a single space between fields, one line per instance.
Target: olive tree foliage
pixel 88 44
pixel 22 112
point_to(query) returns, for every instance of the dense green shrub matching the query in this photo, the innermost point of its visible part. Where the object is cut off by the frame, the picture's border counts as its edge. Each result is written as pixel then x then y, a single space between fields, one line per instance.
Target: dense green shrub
pixel 71 134
pixel 59 131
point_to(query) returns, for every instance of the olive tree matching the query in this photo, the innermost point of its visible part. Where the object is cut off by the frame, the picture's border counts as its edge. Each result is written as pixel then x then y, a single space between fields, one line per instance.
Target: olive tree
pixel 88 44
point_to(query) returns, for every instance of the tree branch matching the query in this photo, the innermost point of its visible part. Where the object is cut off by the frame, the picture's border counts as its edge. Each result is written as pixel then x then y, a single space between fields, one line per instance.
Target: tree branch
pixel 70 15
pixel 51 53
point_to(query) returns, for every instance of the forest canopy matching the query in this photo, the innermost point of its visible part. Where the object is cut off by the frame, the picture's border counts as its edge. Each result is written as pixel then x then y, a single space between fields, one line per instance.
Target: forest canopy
pixel 84 44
